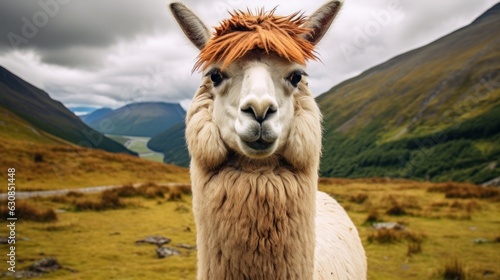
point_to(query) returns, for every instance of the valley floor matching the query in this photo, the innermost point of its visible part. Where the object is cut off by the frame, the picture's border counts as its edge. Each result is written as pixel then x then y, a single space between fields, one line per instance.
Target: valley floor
pixel 93 236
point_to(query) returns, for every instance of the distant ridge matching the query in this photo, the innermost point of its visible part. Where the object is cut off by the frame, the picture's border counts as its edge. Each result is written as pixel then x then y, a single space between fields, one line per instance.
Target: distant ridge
pixel 432 113
pixel 493 12
pixel 37 108
pixel 96 115
pixel 145 119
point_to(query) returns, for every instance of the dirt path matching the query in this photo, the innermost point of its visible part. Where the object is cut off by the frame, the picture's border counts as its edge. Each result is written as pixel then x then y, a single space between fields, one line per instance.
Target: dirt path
pixel 97 189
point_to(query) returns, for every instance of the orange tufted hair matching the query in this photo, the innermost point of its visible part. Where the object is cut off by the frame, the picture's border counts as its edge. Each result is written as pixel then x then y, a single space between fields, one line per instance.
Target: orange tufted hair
pixel 245 32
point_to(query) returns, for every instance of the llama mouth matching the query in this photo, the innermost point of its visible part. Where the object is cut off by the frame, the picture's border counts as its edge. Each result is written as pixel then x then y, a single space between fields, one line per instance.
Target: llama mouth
pixel 259 145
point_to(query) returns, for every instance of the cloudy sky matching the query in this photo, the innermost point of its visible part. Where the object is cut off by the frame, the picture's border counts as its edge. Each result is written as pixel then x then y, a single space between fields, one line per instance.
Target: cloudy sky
pixel 107 53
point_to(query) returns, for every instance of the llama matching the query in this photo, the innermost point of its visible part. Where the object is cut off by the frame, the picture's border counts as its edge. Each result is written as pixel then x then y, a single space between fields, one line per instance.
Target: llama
pixel 254 133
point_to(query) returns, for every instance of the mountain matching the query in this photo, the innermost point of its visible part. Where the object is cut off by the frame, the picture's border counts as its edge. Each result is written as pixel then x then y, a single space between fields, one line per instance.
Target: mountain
pixel 139 119
pixel 172 144
pixel 432 113
pixel 95 115
pixel 44 114
pixel 82 110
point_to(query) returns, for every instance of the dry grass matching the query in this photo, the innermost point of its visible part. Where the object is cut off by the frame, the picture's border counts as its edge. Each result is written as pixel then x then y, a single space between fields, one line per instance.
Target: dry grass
pixel 26 211
pixel 454 270
pixel 414 247
pixel 496 239
pixel 105 239
pixel 373 217
pixel 116 198
pixel 358 198
pixel 49 166
pixel 396 210
pixel 109 200
pixel 394 235
pixel 449 225
pixel 152 190
pixel 465 191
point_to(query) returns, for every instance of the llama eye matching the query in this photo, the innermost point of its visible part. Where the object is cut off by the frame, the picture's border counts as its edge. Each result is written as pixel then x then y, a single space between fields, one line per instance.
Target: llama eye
pixel 295 78
pixel 217 77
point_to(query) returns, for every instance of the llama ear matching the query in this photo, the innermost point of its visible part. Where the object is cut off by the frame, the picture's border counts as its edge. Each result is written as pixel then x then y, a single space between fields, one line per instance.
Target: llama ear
pixel 320 21
pixel 193 27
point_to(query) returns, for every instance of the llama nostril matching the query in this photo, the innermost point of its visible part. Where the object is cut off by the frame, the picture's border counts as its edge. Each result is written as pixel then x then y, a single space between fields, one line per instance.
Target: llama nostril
pixel 259 117
pixel 248 110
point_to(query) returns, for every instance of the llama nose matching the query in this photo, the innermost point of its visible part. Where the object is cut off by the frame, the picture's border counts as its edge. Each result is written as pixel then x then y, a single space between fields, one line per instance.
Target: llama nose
pixel 260 111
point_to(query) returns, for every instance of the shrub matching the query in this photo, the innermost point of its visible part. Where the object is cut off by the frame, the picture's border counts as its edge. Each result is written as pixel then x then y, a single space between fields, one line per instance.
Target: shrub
pixel 147 190
pixel 37 158
pixel 454 270
pixel 414 247
pixel 185 189
pixel 396 210
pixel 373 217
pixel 385 236
pixel 465 191
pixel 394 235
pixel 26 211
pixel 108 200
pixel 175 194
pixel 359 198
pixel 497 239
pixel 126 191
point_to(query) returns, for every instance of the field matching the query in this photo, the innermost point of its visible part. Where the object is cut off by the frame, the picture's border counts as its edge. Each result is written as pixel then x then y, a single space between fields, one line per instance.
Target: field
pixel 138 145
pixel 56 166
pixel 93 236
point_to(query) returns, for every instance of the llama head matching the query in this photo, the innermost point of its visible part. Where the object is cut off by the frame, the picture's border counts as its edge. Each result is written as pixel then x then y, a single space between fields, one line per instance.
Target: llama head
pixel 254 70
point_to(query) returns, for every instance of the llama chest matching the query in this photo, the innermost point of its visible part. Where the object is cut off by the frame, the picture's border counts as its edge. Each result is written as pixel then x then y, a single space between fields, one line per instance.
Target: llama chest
pixel 256 219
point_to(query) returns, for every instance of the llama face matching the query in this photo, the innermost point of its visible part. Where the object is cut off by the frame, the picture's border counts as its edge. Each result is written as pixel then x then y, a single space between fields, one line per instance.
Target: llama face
pixel 253 103
pixel 254 88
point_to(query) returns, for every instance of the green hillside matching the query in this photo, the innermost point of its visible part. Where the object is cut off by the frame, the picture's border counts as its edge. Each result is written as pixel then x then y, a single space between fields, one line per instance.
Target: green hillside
pixel 13 127
pixel 45 114
pixel 172 144
pixel 145 119
pixel 432 113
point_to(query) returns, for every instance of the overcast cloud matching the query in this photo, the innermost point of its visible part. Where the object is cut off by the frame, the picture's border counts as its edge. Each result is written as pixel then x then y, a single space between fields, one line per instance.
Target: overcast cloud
pixel 107 53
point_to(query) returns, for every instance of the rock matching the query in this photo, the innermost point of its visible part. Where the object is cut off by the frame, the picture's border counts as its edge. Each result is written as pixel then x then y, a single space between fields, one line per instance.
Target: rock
pixel 186 246
pixel 163 252
pixel 45 265
pixel 156 240
pixel 480 241
pixel 37 269
pixel 492 183
pixel 397 226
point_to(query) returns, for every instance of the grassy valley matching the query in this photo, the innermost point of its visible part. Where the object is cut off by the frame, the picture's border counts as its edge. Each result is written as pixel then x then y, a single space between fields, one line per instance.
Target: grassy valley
pixel 44 162
pixel 440 223
pixel 138 145
pixel 432 114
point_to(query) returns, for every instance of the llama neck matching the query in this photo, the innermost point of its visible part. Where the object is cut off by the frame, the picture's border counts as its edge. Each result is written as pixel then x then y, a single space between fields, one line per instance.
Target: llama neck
pixel 256 223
